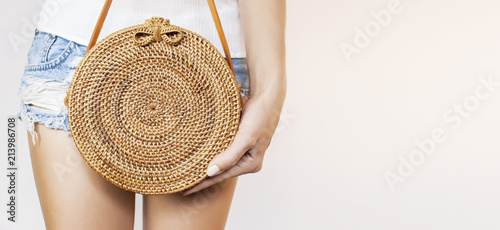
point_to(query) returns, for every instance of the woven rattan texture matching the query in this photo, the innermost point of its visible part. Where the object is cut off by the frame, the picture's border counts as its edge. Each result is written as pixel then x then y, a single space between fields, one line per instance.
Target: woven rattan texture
pixel 151 105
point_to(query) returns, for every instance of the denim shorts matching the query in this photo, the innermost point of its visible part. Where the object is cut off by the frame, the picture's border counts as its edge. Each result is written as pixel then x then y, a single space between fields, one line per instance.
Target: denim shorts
pixel 52 61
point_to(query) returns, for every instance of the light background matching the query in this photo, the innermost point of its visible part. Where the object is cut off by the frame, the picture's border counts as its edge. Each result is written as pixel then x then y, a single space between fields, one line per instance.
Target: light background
pixel 346 124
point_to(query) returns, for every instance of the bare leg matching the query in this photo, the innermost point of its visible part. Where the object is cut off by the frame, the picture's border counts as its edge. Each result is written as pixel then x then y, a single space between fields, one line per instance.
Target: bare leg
pixel 72 195
pixel 207 209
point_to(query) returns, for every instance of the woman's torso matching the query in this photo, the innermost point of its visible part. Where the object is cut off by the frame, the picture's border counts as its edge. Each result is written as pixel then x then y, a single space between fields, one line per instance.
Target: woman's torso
pixel 75 19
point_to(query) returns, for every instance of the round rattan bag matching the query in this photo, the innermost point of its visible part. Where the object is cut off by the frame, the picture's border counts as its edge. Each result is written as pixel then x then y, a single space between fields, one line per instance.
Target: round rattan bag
pixel 150 106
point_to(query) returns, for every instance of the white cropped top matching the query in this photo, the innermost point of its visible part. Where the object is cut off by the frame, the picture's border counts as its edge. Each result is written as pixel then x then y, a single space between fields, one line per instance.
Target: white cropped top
pixel 75 19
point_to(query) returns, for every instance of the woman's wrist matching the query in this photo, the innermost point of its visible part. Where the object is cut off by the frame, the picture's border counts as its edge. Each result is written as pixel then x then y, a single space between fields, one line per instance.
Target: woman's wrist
pixel 268 84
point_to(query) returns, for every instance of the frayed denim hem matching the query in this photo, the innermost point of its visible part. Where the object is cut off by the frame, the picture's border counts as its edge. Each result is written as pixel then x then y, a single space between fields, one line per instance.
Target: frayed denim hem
pixel 244 92
pixel 30 115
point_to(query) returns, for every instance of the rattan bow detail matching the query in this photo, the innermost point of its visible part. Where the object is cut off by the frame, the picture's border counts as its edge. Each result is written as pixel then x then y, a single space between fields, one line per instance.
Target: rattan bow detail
pixel 157 29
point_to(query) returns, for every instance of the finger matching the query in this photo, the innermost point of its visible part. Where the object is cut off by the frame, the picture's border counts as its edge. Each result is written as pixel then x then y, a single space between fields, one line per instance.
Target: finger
pixel 228 174
pixel 231 155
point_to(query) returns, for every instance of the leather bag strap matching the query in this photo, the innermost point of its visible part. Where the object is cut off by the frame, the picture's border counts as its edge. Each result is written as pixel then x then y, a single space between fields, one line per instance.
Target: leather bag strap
pixel 213 10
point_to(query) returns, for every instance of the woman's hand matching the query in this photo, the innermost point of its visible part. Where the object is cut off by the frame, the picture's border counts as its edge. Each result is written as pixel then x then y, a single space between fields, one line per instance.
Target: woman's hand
pixel 263 23
pixel 246 153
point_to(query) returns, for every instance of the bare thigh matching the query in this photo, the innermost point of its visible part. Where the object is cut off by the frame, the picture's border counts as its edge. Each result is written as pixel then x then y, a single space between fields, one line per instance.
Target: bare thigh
pixel 207 209
pixel 72 195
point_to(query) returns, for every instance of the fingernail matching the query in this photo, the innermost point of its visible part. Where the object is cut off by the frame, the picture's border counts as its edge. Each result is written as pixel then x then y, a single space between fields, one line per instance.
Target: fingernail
pixel 213 170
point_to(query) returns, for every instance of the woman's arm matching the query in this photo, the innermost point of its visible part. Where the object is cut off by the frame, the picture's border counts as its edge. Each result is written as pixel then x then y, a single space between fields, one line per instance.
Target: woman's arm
pixel 263 23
